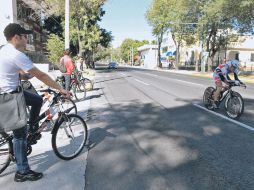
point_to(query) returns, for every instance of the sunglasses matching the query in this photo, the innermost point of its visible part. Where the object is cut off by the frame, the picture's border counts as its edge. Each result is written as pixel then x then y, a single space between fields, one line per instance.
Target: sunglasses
pixel 23 35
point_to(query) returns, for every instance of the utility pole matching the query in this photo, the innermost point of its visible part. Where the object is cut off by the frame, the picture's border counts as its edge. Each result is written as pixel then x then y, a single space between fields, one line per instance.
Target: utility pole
pixel 67 24
pixel 132 57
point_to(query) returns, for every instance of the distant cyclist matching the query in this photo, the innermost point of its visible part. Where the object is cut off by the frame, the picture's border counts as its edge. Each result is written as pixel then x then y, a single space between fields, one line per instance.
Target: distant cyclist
pixel 221 75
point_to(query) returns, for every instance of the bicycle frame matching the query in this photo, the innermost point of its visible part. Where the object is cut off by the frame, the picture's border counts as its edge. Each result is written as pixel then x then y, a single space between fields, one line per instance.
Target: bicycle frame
pixel 225 94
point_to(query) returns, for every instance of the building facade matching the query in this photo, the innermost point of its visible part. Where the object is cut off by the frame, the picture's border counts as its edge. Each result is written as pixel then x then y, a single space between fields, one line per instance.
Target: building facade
pixel 148 56
pixel 23 13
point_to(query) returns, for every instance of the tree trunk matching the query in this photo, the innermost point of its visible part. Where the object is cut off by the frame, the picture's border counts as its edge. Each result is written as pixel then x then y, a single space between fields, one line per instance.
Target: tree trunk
pixel 177 53
pixel 159 49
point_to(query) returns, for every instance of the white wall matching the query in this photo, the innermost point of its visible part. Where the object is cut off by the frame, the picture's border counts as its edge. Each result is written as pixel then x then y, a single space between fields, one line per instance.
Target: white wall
pixel 8 14
pixel 43 67
pixel 150 60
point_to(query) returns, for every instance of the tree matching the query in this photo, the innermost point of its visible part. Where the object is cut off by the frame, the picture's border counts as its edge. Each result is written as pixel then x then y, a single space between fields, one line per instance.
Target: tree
pixel 170 19
pixel 156 16
pixel 53 25
pixel 129 49
pixel 85 33
pixel 220 18
pixel 55 48
pixel 210 21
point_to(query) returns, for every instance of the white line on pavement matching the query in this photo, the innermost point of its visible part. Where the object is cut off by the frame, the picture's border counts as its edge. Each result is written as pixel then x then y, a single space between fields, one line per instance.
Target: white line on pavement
pixel 224 117
pixel 173 79
pixel 151 74
pixel 188 82
pixel 142 82
pixel 123 74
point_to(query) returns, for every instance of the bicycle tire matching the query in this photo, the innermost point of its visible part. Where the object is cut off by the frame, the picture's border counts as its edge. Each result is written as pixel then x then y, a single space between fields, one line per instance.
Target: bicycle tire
pixel 79 91
pixel 62 142
pixel 88 84
pixel 67 103
pixel 233 110
pixel 5 146
pixel 207 97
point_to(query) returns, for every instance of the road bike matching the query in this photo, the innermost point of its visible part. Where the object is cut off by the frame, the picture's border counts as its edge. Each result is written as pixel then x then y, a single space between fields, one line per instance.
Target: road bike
pixel 69 136
pixel 234 103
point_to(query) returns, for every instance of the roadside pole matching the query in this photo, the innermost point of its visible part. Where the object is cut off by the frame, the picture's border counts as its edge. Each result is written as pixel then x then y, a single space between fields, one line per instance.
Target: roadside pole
pixel 67 25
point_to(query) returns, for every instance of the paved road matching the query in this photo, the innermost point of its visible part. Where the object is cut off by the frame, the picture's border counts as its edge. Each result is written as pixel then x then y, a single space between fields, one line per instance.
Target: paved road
pixel 147 132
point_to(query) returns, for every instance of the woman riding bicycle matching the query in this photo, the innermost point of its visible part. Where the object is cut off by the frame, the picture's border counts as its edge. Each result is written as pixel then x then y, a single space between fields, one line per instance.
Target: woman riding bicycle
pixel 221 75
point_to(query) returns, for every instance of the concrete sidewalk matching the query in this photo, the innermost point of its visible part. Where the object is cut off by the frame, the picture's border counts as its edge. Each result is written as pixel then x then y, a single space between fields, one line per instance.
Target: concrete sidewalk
pixel 58 174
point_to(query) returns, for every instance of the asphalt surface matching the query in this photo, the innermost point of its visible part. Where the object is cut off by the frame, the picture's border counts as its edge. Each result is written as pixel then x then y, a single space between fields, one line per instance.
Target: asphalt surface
pixel 149 131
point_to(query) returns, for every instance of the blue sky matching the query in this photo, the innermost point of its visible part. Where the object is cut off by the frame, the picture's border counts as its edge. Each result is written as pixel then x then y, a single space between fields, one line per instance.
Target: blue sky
pixel 126 19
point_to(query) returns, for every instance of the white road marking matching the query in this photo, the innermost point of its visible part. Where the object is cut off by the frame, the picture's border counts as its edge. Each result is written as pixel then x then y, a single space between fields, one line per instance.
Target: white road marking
pixel 123 74
pixel 224 117
pixel 141 82
pixel 188 82
pixel 172 79
pixel 151 74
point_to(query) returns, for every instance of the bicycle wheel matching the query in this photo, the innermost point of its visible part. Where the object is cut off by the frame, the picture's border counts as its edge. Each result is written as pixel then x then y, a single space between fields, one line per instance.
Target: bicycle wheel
pixel 207 97
pixel 68 104
pixel 234 105
pixel 5 146
pixel 88 84
pixel 79 91
pixel 69 136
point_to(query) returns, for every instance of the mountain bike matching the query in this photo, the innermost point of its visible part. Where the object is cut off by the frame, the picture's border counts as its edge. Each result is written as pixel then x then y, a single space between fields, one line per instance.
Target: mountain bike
pixel 48 95
pixel 234 103
pixel 69 136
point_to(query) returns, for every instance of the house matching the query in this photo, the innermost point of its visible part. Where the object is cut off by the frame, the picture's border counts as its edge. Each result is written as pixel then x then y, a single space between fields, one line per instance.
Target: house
pixel 148 56
pixel 245 48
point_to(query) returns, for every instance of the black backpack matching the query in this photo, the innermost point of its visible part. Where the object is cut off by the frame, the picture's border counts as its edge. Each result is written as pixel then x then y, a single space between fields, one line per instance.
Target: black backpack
pixel 62 66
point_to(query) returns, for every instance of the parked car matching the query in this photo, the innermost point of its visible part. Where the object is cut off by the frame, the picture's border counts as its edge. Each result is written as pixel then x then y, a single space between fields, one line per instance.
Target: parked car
pixel 112 65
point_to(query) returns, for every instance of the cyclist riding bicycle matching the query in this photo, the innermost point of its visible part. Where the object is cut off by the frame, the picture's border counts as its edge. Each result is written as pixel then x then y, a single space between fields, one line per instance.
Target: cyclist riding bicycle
pixel 221 75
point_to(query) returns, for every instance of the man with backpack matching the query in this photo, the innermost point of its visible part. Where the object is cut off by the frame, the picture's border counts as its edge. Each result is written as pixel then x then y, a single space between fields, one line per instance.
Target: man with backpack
pixel 67 67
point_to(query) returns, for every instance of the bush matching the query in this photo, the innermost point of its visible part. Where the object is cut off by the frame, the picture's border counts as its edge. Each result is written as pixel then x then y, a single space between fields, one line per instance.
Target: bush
pixel 55 48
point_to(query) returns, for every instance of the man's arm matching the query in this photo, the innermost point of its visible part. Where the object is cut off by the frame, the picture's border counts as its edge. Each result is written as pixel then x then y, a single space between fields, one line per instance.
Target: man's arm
pixel 25 76
pixel 47 80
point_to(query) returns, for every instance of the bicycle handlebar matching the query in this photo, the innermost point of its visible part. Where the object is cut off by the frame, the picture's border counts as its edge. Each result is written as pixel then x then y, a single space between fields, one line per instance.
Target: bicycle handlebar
pixel 50 91
pixel 231 84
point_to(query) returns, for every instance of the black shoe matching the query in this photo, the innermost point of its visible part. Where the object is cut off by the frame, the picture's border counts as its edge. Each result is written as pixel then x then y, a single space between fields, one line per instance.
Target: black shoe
pixel 29 176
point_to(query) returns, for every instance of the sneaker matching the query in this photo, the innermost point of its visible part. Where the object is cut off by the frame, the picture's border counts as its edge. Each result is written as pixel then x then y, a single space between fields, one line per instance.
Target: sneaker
pixel 28 176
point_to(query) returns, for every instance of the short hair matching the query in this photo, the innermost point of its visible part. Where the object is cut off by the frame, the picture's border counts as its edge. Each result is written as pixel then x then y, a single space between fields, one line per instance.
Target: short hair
pixel 13 29
pixel 67 52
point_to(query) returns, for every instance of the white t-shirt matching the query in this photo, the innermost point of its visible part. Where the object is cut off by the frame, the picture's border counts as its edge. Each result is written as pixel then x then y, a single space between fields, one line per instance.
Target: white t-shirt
pixel 11 62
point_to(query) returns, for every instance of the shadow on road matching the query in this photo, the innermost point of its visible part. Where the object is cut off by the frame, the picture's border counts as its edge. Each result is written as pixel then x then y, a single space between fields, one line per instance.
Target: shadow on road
pixel 139 145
